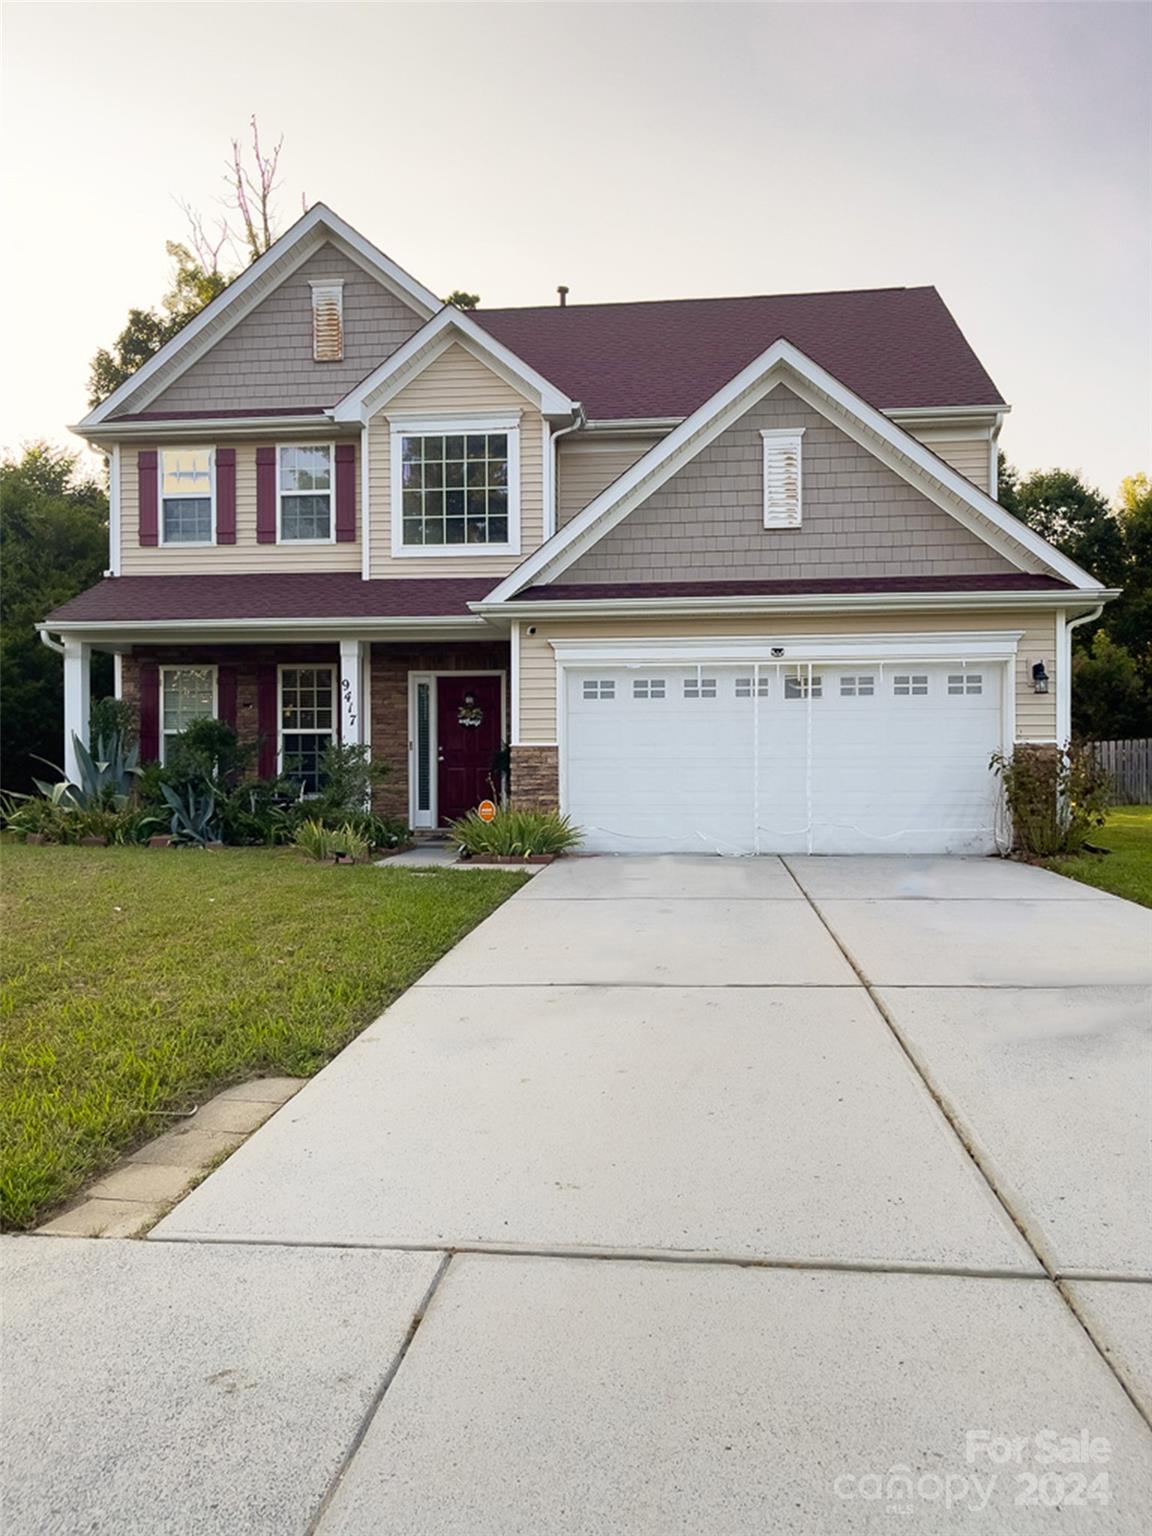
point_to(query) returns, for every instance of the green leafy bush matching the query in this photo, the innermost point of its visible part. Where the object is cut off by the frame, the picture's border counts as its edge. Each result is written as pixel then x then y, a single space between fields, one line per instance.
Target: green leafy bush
pixel 63 821
pixel 320 842
pixel 207 751
pixel 114 717
pixel 515 834
pixel 1055 797
pixel 347 778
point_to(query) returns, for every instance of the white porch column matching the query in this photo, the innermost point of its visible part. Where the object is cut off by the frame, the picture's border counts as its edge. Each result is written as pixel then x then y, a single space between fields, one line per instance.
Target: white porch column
pixel 354 724
pixel 77 701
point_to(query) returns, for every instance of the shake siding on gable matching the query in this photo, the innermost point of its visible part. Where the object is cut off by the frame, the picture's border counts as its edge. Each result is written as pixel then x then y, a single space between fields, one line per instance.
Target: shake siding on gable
pixel 860 518
pixel 456 382
pixel 1035 713
pixel 245 555
pixel 266 360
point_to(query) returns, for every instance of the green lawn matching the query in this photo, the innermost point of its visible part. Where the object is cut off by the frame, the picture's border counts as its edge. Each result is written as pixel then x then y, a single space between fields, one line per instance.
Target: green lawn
pixel 137 980
pixel 1127 869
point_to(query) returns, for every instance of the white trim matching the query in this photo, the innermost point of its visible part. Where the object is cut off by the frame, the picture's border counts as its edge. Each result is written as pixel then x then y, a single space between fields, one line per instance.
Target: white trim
pixel 184 666
pixel 401 426
pixel 332 668
pixel 431 816
pixel 815 602
pixel 365 507
pixel 177 429
pixel 449 325
pixel 117 674
pixel 1063 662
pixel 306 236
pixel 779 363
pixel 105 631
pixel 115 526
pixel 161 541
pixel 77 702
pixel 330 448
pixel 514 653
pixel 925 646
pixel 353 703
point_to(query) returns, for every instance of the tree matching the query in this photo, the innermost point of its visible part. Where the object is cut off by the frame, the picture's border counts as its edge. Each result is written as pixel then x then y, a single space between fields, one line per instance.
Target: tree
pixel 192 286
pixel 463 300
pixel 1110 699
pixel 1078 520
pixel 54 543
pixel 197 274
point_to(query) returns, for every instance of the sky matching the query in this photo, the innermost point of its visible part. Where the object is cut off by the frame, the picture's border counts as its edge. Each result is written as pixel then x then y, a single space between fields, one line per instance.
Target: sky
pixel 1000 151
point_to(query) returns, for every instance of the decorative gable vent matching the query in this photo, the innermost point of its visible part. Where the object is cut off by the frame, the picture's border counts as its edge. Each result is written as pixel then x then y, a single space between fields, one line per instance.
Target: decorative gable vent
pixel 328 320
pixel 782 478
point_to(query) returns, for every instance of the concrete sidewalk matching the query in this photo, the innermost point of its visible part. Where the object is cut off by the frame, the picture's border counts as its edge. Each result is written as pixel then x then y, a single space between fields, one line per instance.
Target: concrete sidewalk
pixel 910 1094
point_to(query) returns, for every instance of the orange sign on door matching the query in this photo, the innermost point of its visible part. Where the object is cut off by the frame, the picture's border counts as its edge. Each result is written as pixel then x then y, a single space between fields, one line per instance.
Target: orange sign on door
pixel 486 810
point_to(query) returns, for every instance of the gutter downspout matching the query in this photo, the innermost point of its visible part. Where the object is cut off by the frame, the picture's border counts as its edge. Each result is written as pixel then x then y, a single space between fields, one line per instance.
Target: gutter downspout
pixel 53 645
pixel 581 420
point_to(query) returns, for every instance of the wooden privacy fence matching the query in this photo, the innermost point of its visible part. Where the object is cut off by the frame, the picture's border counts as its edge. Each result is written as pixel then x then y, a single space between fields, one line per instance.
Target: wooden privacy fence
pixel 1129 766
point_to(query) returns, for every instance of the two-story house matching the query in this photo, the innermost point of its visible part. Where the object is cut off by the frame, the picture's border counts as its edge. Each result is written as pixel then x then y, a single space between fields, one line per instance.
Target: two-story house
pixel 727 574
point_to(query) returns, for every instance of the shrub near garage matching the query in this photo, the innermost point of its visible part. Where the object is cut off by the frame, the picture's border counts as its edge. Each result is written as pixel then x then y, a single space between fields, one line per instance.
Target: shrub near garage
pixel 513 834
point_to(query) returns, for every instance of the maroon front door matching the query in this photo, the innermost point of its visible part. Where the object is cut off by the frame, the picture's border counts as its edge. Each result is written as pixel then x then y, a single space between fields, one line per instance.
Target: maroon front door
pixel 468 737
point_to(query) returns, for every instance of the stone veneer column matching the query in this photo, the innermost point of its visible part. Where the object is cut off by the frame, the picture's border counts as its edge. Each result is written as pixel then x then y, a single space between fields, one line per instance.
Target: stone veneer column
pixel 536 778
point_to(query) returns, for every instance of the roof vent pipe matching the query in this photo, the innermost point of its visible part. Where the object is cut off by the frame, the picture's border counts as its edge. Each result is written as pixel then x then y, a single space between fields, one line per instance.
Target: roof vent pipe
pixel 562 290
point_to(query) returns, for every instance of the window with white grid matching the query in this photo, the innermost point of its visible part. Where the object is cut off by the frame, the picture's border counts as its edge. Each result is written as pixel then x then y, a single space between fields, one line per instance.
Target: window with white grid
pixel 857 686
pixel 307 722
pixel 745 685
pixel 186 694
pixel 906 684
pixel 801 686
pixel 647 687
pixel 186 496
pixel 965 682
pixel 305 490
pixel 599 688
pixel 699 687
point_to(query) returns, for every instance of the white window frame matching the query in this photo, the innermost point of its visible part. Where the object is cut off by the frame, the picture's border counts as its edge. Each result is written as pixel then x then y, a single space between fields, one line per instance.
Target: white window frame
pixel 453 426
pixel 787 437
pixel 330 449
pixel 185 496
pixel 187 666
pixel 334 731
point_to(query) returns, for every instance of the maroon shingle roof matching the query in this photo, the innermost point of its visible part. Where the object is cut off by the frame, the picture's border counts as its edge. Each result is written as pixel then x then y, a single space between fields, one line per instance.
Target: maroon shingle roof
pixel 559 592
pixel 319 595
pixel 896 347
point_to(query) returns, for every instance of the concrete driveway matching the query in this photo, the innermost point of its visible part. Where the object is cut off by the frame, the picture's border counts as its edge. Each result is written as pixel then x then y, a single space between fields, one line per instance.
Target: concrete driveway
pixel 728 1193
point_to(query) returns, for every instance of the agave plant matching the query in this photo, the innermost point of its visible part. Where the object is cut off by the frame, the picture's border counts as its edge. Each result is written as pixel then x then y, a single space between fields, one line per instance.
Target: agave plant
pixel 194 819
pixel 105 773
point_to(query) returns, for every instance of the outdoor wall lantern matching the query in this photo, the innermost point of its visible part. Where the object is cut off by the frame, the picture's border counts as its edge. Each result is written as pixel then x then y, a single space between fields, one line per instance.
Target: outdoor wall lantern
pixel 1039 678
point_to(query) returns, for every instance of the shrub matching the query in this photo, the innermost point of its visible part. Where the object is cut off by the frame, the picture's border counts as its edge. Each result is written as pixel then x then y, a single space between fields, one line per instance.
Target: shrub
pixel 114 717
pixel 207 751
pixel 62 821
pixel 514 834
pixel 194 820
pixel 320 842
pixel 1054 797
pixel 347 776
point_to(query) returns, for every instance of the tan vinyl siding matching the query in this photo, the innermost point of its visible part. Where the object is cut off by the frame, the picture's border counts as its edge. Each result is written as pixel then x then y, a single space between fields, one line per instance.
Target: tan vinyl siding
pixel 859 516
pixel 1035 713
pixel 456 381
pixel 266 360
pixel 585 467
pixel 969 455
pixel 245 555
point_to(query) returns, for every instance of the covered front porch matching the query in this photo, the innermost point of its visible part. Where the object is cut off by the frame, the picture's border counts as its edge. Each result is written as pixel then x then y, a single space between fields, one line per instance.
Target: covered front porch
pixel 436 713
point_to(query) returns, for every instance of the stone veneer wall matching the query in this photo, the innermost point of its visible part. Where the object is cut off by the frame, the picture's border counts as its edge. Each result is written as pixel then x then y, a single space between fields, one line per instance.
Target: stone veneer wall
pixel 536 778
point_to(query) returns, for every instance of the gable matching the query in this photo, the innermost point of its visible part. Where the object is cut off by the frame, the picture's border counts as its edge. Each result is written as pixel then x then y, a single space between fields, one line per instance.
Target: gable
pixel 265 361
pixel 455 380
pixel 860 518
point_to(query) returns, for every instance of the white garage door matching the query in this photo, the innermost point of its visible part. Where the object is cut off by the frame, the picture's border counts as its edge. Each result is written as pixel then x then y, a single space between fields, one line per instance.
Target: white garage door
pixel 886 757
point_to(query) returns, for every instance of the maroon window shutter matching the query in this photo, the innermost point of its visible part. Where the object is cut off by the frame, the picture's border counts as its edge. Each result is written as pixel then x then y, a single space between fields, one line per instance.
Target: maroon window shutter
pixel 146 461
pixel 225 495
pixel 226 695
pixel 266 721
pixel 345 493
pixel 265 495
pixel 149 683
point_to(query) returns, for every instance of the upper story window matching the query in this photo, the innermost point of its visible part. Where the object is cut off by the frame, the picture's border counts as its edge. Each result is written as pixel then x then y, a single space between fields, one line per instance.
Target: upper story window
pixel 328 320
pixel 305 494
pixel 187 510
pixel 455 488
pixel 782 455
